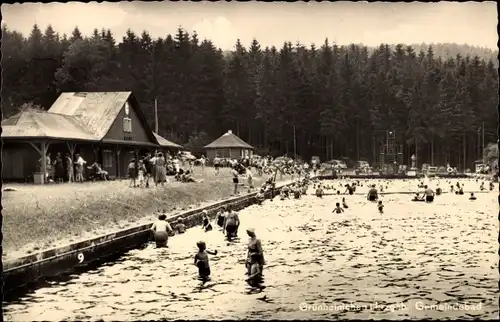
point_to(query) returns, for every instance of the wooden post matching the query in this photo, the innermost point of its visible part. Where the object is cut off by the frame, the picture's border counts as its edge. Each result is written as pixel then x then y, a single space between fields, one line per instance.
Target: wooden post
pixel 43 152
pixel 71 148
pixel 96 152
pixel 118 151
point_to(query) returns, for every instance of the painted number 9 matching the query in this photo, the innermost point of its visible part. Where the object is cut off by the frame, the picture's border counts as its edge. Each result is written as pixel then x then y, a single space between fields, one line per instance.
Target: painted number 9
pixel 80 258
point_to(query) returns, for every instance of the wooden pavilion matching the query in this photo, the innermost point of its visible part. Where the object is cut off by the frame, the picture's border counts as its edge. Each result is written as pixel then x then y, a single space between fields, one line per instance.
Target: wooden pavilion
pixel 229 146
pixel 104 127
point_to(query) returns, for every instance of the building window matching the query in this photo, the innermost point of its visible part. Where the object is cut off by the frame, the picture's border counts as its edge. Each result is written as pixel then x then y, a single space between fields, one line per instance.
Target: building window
pixel 107 159
pixel 127 124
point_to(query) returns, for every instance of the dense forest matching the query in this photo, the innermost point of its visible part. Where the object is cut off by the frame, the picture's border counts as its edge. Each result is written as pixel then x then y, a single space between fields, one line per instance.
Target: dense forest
pixel 326 100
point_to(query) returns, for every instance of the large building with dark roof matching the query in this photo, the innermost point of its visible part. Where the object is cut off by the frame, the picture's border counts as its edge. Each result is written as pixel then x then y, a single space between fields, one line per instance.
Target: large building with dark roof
pixel 229 146
pixel 107 127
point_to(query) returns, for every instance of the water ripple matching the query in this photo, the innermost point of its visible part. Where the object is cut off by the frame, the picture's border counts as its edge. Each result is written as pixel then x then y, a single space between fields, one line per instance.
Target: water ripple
pixel 415 261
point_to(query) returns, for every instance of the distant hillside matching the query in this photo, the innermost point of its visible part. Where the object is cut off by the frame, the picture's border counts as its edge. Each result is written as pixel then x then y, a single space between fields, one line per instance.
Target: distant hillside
pixel 443 50
pixel 452 50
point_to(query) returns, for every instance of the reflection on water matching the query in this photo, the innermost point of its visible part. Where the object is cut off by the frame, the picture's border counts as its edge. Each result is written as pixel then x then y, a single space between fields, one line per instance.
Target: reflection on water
pixel 320 265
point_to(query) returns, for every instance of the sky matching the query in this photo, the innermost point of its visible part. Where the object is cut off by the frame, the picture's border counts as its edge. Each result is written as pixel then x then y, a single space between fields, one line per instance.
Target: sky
pixel 272 23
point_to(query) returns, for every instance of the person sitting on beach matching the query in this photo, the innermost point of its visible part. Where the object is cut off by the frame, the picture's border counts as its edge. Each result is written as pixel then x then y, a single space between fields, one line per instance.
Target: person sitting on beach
pixel 472 197
pixel 161 229
pixel 438 191
pixel 344 204
pixel 482 188
pixel 338 209
pixel 180 227
pixel 461 191
pixel 492 186
pixel 231 223
pixel 372 194
pixel 380 207
pixel 201 260
pixel 187 177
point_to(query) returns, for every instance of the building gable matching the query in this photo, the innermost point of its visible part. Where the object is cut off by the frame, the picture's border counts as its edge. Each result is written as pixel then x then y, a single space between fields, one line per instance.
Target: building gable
pixel 129 125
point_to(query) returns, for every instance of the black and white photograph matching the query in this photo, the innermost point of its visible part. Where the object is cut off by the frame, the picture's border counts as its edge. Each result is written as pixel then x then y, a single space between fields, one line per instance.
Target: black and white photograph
pixel 250 161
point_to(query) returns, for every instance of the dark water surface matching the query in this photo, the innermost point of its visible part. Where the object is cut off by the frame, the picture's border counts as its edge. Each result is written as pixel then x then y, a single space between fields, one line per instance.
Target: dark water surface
pixel 359 264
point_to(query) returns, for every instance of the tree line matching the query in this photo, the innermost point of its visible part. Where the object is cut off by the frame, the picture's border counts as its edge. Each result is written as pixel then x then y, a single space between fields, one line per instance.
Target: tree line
pixel 331 101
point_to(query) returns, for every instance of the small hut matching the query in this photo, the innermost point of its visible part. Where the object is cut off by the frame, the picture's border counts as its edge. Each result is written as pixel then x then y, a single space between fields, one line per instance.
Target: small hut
pixel 229 146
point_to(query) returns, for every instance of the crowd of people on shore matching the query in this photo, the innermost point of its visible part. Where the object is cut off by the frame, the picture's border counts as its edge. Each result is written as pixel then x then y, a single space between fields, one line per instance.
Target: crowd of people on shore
pixel 156 169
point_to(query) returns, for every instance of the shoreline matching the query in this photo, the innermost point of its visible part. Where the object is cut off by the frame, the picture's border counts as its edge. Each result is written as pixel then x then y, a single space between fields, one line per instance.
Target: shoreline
pixel 91 210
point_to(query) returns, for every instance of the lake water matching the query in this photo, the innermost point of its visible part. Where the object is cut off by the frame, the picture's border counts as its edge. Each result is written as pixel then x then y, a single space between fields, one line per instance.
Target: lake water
pixel 414 261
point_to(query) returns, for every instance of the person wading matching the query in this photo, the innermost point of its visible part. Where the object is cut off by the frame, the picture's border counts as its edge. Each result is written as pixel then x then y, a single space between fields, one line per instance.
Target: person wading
pixel 429 194
pixel 161 228
pixel 372 194
pixel 255 252
pixel 231 223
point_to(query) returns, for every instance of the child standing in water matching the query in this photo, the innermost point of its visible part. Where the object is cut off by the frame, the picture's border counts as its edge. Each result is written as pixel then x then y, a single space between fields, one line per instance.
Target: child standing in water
pixel 180 227
pixel 337 209
pixel 380 207
pixel 255 271
pixel 207 226
pixel 201 260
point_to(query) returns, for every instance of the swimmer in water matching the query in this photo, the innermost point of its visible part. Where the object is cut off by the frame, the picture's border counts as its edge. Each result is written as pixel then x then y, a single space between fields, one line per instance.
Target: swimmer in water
pixel 472 197
pixel 337 209
pixel 254 268
pixel 429 194
pixel 180 227
pixel 344 204
pixel 418 197
pixel 220 218
pixel 372 194
pixel 349 189
pixel 201 260
pixel 319 192
pixel 207 226
pixel 161 228
pixel 255 252
pixel 380 207
pixel 231 223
